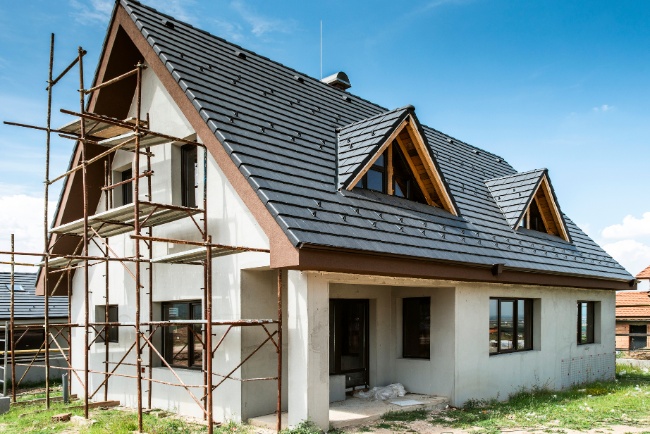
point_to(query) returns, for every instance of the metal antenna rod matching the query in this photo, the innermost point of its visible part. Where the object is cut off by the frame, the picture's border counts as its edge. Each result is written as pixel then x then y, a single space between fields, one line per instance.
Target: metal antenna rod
pixel 321 49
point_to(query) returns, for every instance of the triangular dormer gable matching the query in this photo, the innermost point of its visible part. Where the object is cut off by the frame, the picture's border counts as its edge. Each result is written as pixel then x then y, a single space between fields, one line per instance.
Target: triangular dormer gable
pixel 392 136
pixel 527 200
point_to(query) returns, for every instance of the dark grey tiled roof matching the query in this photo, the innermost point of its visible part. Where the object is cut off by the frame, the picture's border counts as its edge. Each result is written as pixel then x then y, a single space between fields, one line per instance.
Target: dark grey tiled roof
pixel 281 133
pixel 513 193
pixel 28 305
pixel 358 142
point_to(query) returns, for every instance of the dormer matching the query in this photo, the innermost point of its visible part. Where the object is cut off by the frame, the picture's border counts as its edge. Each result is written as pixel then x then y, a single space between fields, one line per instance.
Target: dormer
pixel 527 200
pixel 388 153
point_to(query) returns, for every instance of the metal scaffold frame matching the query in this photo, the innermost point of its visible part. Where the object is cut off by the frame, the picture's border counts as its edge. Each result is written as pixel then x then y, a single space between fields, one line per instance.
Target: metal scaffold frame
pixel 135 136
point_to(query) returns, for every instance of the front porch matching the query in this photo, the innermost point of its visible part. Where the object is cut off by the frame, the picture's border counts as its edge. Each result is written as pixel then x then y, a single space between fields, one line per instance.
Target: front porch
pixel 357 411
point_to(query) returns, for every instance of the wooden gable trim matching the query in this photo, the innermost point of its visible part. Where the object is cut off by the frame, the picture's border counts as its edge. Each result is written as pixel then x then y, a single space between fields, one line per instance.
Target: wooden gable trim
pixel 374 158
pixel 430 166
pixel 408 125
pixel 545 201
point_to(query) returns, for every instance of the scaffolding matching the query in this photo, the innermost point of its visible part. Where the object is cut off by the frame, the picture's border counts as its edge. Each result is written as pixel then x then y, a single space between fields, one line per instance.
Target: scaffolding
pixel 138 219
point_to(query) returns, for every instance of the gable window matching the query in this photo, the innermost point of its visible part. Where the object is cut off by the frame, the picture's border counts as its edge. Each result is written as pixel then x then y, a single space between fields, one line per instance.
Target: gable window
pixel 511 325
pixel 586 322
pixel 533 219
pixel 113 316
pixel 391 174
pixel 127 187
pixel 183 343
pixel 416 326
pixel 188 175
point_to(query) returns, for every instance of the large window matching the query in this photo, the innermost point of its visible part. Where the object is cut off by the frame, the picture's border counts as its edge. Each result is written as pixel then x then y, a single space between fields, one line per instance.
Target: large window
pixel 586 322
pixel 183 343
pixel 416 324
pixel 188 175
pixel 26 340
pixel 113 316
pixel 511 325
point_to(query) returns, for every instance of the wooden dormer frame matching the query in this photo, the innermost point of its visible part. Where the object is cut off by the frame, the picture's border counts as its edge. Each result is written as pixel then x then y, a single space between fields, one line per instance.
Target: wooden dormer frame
pixel 548 208
pixel 409 126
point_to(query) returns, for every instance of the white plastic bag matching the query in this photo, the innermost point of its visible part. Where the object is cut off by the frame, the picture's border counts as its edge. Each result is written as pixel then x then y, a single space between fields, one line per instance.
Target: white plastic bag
pixel 383 393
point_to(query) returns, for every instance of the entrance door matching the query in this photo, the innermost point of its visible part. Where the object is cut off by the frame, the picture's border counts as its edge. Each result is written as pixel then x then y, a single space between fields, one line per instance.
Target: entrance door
pixel 638 342
pixel 349 341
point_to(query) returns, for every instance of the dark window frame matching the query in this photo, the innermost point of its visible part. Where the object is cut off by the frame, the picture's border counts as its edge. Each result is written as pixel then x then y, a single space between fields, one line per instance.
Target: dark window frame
pixel 379 166
pixel 416 328
pixel 189 168
pixel 590 336
pixel 192 329
pixel 113 316
pixel 527 326
pixel 127 188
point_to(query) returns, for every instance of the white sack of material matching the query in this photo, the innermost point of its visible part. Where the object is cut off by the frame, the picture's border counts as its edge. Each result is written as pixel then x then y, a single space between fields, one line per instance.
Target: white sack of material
pixel 383 393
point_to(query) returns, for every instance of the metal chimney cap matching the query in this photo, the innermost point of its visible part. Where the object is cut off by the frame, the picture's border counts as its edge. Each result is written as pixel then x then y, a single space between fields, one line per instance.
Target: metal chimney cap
pixel 338 80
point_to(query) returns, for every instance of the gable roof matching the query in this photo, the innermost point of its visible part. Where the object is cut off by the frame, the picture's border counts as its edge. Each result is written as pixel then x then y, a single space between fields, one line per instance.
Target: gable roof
pixel 633 304
pixel 515 193
pixel 644 274
pixel 278 127
pixel 28 305
pixel 359 141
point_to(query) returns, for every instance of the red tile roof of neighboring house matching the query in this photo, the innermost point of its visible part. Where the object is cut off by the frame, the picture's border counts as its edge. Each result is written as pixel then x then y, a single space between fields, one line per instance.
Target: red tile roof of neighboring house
pixel 645 274
pixel 633 304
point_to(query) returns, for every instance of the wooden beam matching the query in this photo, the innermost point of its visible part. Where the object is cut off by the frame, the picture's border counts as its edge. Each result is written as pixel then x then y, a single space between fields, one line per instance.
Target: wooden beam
pixel 557 217
pixel 389 170
pixel 430 166
pixel 416 175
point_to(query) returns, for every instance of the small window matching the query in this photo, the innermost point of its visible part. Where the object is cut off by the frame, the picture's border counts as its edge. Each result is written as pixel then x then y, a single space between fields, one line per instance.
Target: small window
pixel 183 343
pixel 127 188
pixel 113 316
pixel 404 183
pixel 188 175
pixel 17 287
pixel 416 325
pixel 375 178
pixel 511 325
pixel 638 336
pixel 586 322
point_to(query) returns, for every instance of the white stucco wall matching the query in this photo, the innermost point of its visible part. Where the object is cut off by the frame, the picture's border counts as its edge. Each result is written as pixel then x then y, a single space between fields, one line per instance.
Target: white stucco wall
pixel 229 222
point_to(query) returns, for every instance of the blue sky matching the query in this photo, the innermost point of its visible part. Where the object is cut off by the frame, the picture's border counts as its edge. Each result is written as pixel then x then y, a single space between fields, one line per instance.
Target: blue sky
pixel 556 84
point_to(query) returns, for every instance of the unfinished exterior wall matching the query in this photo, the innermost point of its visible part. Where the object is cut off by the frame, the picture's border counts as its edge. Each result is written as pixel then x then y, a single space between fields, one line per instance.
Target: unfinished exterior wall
pixel 229 222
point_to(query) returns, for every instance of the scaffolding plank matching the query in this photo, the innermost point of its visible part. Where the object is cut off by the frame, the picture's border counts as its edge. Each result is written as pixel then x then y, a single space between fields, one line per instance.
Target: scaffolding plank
pixel 197 255
pixel 99 129
pixel 145 141
pixel 120 220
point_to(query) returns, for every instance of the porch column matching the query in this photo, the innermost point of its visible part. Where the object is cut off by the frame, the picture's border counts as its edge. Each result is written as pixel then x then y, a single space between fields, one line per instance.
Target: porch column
pixel 308 336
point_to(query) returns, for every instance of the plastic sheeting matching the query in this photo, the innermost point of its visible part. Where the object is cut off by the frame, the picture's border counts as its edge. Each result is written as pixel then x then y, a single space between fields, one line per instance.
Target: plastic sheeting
pixel 383 393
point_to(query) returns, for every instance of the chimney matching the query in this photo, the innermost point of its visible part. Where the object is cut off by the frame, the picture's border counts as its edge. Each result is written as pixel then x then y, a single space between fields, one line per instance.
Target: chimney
pixel 339 80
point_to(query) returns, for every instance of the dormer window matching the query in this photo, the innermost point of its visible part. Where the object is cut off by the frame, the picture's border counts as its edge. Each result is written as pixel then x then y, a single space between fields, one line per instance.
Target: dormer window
pixel 390 174
pixel 389 153
pixel 533 219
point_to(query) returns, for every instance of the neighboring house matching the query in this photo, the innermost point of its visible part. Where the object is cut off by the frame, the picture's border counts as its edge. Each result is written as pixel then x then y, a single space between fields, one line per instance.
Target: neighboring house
pixel 633 317
pixel 407 255
pixel 29 310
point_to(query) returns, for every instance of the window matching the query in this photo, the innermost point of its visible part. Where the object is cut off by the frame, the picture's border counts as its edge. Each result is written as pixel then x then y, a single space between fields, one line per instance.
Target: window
pixel 511 325
pixel 26 340
pixel 127 188
pixel 586 322
pixel 640 338
pixel 391 174
pixel 183 343
pixel 533 219
pixel 416 324
pixel 113 316
pixel 188 175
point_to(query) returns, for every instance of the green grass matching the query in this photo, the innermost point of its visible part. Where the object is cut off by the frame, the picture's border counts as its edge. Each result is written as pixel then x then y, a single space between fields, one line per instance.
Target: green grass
pixel 624 401
pixel 35 419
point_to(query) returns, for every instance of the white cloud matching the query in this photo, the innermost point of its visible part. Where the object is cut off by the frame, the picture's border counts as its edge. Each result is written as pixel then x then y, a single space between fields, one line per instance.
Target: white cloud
pixel 631 254
pixel 179 9
pixel 631 227
pixel 22 215
pixel 259 24
pixel 603 108
pixel 92 12
pixel 229 30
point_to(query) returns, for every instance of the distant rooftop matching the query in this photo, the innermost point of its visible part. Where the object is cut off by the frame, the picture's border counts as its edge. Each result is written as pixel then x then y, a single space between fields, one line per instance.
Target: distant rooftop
pixel 27 304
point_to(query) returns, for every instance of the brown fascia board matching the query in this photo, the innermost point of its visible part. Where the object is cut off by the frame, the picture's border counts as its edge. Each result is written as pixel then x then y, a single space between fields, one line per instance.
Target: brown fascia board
pixel 319 259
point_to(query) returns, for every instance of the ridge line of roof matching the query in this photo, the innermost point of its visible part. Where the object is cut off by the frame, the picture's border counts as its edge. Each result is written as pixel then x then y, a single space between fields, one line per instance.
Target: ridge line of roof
pixel 516 174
